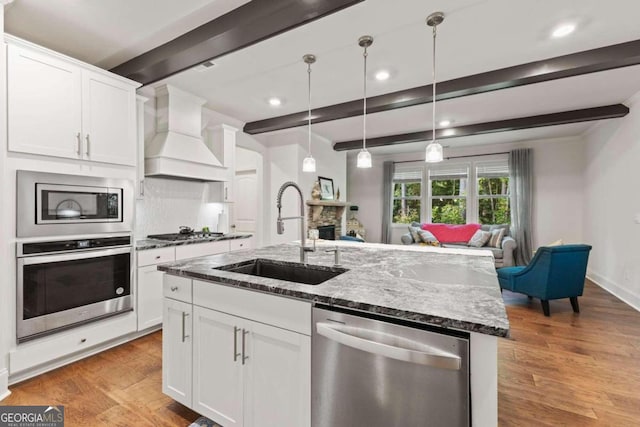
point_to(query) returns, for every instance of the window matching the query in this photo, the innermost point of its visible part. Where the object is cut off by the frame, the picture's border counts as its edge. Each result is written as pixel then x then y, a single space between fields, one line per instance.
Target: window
pixel 493 192
pixel 407 196
pixel 448 193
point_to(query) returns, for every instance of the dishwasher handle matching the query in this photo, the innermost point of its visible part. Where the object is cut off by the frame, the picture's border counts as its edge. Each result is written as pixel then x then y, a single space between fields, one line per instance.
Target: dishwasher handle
pixel 383 344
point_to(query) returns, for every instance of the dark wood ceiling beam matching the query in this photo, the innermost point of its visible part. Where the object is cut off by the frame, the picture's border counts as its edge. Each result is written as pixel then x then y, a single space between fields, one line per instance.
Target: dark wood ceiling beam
pixel 249 24
pixel 562 118
pixel 575 64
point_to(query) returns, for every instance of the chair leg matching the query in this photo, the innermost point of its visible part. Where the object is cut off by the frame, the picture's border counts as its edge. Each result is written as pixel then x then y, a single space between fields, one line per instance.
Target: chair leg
pixel 545 307
pixel 574 304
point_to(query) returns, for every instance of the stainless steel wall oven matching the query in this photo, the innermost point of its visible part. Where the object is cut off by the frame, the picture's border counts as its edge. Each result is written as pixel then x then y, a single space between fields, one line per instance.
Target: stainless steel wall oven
pixel 66 283
pixel 55 204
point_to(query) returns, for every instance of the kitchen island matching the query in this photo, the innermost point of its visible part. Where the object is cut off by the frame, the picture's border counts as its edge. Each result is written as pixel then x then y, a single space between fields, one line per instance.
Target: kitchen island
pixel 446 289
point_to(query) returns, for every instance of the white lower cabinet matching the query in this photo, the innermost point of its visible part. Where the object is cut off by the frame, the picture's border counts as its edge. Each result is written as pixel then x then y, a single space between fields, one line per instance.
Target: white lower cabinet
pixel 277 377
pixel 149 297
pixel 249 374
pixel 246 372
pixel 218 374
pixel 177 351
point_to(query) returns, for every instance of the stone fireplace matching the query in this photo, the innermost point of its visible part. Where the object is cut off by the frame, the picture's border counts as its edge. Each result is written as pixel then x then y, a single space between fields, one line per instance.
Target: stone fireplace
pixel 322 213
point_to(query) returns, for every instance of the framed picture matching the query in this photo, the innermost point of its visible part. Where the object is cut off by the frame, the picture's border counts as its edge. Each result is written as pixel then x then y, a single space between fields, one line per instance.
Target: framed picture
pixel 326 188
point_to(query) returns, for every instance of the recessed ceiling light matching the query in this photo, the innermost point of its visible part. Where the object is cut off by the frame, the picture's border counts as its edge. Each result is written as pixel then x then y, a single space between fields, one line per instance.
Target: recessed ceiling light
pixel 563 30
pixel 275 102
pixel 382 75
pixel 444 123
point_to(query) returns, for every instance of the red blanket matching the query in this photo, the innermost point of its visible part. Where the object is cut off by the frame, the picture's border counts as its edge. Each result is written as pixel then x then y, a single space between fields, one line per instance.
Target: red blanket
pixel 450 233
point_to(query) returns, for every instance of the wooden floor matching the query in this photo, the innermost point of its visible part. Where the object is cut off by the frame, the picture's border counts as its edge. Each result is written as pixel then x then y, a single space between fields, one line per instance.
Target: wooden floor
pixel 118 387
pixel 564 370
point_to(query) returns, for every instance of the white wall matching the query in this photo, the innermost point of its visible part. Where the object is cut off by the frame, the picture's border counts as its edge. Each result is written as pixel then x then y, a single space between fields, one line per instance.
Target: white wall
pixel 4 259
pixel 557 192
pixel 612 204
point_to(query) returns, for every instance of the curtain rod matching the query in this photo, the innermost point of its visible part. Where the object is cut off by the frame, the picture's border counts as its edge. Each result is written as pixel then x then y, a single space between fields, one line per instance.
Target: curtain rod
pixel 456 157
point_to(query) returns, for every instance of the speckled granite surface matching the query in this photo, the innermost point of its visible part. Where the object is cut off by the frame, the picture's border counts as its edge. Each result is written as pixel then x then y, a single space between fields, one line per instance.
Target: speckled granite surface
pixel 145 244
pixel 441 288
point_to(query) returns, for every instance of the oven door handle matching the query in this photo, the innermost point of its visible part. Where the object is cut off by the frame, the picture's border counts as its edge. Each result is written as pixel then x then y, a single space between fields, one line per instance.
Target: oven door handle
pixel 72 256
pixel 390 346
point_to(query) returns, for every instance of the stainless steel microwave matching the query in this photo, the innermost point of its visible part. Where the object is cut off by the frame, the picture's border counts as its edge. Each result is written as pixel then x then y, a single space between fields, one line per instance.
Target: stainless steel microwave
pixel 52 204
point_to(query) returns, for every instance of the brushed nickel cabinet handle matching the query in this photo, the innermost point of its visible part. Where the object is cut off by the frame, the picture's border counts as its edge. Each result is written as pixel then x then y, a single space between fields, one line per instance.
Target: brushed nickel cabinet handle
pixel 244 334
pixel 79 150
pixel 226 193
pixel 174 288
pixel 88 145
pixel 235 343
pixel 184 317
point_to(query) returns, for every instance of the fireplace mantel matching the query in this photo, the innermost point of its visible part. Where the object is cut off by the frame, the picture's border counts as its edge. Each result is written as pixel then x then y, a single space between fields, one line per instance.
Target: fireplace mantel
pixel 317 206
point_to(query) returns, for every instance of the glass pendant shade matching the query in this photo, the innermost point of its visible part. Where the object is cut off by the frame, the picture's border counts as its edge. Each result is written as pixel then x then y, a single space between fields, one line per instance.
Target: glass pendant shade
pixel 309 164
pixel 364 159
pixel 433 153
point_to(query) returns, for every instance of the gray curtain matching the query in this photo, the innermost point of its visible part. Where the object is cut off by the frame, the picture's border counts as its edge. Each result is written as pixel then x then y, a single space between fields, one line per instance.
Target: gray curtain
pixel 387 184
pixel 521 187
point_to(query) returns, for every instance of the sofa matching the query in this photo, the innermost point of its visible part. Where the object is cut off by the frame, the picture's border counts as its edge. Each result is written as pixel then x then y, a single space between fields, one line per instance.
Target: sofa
pixel 504 256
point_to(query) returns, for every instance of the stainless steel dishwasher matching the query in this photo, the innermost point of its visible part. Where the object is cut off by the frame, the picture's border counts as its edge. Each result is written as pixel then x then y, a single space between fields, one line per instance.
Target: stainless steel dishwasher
pixel 369 372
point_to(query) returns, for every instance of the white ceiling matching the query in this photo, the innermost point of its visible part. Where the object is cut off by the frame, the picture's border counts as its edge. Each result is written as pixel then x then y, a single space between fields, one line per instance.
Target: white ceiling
pixel 108 32
pixel 477 36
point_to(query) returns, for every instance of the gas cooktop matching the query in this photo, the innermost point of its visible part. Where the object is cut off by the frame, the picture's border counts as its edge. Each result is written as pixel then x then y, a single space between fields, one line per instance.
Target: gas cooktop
pixel 185 236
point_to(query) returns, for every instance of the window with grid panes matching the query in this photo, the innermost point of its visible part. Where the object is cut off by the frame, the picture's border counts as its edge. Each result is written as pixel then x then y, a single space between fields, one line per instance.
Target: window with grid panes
pixel 407 196
pixel 448 184
pixel 492 192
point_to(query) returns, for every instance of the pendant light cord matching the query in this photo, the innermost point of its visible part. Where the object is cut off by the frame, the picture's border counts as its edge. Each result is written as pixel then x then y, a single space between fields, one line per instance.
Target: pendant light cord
pixel 364 114
pixel 309 117
pixel 433 131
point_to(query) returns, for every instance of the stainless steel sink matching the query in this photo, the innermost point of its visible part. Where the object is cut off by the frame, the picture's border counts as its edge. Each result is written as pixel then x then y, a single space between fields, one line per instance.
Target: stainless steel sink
pixel 282 270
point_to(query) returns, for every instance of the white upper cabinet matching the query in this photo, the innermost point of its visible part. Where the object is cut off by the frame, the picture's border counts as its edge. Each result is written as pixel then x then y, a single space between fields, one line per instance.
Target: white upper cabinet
pixel 60 107
pixel 108 119
pixel 44 104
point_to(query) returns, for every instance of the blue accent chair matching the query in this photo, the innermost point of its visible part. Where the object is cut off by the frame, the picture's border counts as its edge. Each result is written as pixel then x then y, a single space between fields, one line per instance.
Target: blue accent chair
pixel 554 272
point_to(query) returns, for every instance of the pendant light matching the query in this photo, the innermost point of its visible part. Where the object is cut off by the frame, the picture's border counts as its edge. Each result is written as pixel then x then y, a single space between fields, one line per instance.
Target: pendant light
pixel 433 152
pixel 309 163
pixel 364 157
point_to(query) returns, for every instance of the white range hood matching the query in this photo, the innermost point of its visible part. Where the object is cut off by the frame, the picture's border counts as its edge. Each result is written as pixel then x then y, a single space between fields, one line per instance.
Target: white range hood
pixel 178 149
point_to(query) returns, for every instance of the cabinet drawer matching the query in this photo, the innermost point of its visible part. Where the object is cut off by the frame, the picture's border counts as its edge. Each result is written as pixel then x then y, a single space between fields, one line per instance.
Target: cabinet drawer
pixel 178 288
pixel 66 343
pixel 269 309
pixel 156 256
pixel 201 249
pixel 240 244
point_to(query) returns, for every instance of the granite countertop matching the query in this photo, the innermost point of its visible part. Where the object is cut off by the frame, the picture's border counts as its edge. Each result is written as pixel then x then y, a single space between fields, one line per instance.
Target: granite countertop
pixel 145 244
pixel 442 287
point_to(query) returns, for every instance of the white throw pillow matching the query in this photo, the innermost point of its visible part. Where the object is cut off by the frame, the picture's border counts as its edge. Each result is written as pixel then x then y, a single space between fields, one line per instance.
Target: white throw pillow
pixel 479 239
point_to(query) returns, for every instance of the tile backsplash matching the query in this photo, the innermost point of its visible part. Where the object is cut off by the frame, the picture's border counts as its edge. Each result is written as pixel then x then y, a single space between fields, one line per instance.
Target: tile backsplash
pixel 170 203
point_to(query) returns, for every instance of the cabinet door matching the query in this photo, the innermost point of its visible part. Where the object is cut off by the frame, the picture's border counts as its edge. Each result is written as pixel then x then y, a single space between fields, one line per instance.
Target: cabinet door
pixel 109 119
pixel 177 351
pixel 149 297
pixel 217 366
pixel 44 104
pixel 278 383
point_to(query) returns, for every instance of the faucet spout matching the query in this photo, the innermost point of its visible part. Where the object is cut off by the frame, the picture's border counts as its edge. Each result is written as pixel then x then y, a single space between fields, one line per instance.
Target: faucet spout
pixel 280 220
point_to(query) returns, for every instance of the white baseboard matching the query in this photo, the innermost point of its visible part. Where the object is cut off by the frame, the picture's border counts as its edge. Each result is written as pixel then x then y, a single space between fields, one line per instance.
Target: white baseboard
pixel 4 384
pixel 623 294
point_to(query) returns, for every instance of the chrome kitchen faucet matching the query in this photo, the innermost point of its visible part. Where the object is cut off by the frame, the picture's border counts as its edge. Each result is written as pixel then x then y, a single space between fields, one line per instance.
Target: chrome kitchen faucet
pixel 280 223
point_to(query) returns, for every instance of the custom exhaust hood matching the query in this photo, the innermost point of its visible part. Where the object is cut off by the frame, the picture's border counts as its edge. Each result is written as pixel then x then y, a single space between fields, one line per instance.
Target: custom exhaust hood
pixel 178 149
